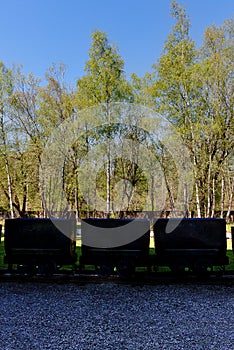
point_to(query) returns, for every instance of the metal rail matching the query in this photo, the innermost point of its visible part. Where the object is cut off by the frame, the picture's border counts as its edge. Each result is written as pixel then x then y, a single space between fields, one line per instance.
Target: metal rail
pixel 142 278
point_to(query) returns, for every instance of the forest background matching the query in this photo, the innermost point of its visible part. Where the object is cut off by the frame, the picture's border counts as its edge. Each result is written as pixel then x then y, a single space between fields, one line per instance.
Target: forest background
pixel 191 87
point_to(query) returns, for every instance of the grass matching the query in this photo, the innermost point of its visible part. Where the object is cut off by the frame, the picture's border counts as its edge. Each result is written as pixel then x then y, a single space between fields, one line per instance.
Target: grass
pixel 231 260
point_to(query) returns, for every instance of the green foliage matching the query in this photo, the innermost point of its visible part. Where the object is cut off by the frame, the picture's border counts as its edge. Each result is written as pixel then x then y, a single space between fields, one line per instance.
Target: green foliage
pixel 193 88
pixel 56 100
pixel 104 81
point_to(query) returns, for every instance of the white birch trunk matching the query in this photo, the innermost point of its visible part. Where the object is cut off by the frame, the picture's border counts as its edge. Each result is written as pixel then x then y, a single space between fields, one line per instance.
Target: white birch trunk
pixel 7 167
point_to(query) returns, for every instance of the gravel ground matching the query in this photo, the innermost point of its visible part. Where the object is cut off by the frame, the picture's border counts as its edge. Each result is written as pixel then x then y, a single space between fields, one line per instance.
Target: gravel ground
pixel 109 316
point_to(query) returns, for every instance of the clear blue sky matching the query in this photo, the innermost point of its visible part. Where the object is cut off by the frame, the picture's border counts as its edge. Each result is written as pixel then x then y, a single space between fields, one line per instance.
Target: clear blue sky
pixel 36 33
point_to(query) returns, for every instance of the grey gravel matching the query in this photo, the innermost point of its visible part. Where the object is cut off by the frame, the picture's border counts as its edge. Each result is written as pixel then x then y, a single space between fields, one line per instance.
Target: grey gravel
pixel 110 316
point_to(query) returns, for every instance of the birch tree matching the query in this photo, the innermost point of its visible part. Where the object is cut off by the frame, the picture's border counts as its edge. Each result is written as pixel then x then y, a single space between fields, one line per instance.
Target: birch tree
pixel 6 88
pixel 173 90
pixel 104 82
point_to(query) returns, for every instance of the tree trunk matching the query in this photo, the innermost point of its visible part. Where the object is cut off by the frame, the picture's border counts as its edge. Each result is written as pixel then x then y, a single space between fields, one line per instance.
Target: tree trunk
pixel 222 197
pixel 152 193
pixel 230 200
pixel 4 152
pixel 198 206
pixel 207 214
pixel 108 168
pixel 197 200
pixel 77 200
pixel 213 198
pixel 9 186
pixel 186 209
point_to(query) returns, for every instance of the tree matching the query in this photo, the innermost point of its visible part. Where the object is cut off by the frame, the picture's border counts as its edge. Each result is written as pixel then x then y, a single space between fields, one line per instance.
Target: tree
pixel 5 92
pixel 103 83
pixel 142 89
pixel 215 75
pixel 173 90
pixel 21 185
pixel 194 90
pixel 55 100
pixel 28 139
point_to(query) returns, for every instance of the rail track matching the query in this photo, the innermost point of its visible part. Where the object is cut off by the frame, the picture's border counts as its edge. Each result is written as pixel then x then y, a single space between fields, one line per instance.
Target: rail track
pixel 139 278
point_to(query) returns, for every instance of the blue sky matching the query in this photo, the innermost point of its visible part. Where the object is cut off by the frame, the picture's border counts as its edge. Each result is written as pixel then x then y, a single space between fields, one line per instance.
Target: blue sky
pixel 36 33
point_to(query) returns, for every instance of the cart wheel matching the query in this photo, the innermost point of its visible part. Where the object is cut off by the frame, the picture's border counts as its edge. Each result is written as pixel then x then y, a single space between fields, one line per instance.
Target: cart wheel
pixel 201 266
pixel 125 268
pixel 178 267
pixel 47 268
pixel 104 270
pixel 27 269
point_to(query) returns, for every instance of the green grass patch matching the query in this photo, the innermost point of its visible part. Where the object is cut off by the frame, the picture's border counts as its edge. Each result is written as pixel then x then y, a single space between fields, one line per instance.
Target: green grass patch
pixel 230 256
